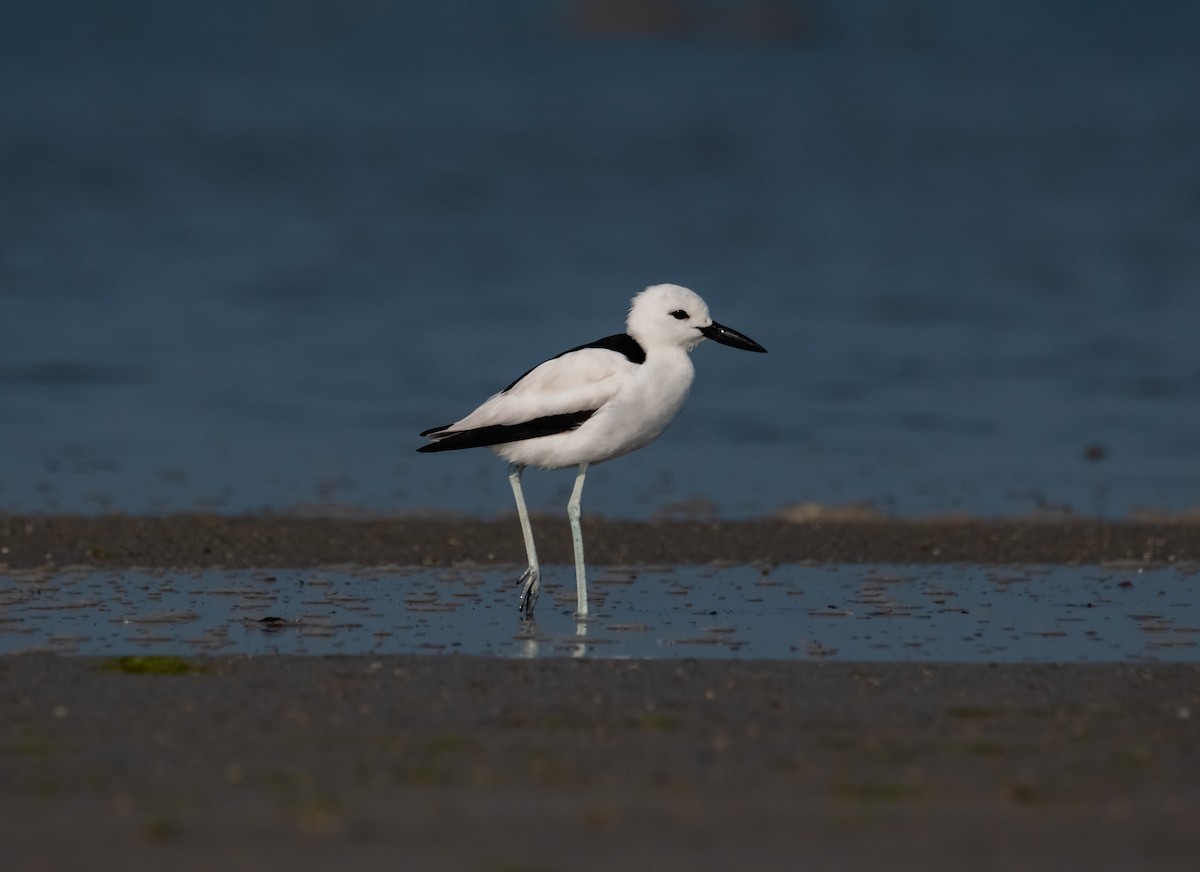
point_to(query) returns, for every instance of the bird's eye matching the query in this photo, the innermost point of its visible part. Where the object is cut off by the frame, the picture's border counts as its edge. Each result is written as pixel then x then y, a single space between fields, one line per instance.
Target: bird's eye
pixel 679 315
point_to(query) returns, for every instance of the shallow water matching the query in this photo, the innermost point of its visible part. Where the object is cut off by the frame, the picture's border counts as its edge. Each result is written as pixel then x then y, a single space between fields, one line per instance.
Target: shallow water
pixel 873 613
pixel 248 252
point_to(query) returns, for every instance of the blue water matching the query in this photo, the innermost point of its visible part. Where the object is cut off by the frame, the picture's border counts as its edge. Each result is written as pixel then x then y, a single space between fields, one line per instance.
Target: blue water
pixel 876 613
pixel 249 250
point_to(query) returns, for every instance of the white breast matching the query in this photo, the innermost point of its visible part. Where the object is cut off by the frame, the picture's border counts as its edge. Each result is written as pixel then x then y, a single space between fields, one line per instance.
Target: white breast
pixel 648 400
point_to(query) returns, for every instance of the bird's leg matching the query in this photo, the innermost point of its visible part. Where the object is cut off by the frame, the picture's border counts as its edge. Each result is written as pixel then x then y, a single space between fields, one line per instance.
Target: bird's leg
pixel 573 513
pixel 530 579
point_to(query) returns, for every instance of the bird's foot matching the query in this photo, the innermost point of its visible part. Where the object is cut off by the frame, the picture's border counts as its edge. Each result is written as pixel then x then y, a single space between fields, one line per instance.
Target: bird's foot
pixel 530 582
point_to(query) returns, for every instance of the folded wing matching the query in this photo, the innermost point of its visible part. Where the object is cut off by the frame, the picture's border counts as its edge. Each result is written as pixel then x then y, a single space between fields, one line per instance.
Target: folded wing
pixel 553 397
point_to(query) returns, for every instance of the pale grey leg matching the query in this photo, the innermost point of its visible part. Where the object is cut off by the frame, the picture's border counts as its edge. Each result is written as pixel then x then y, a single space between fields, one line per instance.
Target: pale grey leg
pixel 573 512
pixel 530 579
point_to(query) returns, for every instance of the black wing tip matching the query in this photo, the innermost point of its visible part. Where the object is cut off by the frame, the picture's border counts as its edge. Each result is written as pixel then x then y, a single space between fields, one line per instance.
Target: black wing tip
pixel 435 433
pixel 457 440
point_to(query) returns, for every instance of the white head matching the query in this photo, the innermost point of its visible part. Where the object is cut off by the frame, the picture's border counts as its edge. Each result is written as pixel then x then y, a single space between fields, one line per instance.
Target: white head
pixel 667 315
pixel 664 316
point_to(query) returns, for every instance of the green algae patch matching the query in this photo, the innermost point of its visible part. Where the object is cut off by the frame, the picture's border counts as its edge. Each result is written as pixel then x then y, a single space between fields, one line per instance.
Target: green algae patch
pixel 451 743
pixel 161 828
pixel 876 792
pixel 162 665
pixel 27 741
pixel 652 721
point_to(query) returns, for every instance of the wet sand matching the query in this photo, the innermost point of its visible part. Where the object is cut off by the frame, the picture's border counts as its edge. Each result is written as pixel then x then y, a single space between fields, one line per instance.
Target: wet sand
pixel 282 541
pixel 465 763
pixel 453 762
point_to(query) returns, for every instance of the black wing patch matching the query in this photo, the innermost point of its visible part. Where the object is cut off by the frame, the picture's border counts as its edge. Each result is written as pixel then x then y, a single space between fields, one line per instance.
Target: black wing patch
pixel 498 434
pixel 622 343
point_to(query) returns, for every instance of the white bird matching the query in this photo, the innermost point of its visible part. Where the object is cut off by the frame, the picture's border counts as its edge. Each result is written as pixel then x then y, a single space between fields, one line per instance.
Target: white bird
pixel 590 404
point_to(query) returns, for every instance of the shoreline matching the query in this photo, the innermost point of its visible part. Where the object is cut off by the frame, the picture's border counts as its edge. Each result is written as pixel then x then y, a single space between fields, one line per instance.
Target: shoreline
pixel 480 762
pixel 248 541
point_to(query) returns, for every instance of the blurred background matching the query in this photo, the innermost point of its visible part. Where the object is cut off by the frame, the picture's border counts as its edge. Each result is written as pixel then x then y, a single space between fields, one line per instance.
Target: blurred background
pixel 248 250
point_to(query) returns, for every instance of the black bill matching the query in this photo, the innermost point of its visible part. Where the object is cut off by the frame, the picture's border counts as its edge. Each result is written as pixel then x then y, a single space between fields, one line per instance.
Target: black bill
pixel 728 336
